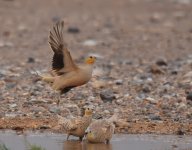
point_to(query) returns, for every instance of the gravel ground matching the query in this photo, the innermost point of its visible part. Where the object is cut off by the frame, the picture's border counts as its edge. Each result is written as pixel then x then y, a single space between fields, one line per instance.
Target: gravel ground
pixel 143 71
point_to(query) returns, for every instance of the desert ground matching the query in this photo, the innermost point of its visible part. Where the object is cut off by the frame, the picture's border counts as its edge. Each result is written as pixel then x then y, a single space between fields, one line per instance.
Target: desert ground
pixel 143 70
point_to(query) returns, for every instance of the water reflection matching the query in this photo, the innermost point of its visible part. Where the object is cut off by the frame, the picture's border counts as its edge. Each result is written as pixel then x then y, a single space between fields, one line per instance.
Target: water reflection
pixel 77 145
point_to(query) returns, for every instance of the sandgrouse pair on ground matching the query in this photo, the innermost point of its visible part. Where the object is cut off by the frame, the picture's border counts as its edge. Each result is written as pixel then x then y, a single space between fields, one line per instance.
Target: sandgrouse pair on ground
pixel 66 75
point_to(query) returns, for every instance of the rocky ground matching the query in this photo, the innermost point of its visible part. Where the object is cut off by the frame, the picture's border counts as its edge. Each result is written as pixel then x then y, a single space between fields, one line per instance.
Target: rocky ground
pixel 143 70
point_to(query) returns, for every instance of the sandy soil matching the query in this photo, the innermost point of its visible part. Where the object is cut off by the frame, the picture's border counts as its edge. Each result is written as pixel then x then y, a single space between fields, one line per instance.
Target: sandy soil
pixel 143 71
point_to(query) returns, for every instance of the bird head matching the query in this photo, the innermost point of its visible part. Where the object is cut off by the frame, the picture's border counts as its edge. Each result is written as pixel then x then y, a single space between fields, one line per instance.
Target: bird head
pixel 89 134
pixel 88 111
pixel 90 60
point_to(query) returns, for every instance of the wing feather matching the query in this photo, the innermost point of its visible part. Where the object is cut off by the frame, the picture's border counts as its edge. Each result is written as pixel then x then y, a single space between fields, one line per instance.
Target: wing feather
pixel 62 61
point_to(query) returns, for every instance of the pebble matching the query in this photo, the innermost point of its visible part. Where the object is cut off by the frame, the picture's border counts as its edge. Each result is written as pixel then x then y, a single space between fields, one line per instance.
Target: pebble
pixel 151 100
pixel 161 62
pixel 22 28
pixel 11 115
pixel 189 96
pixel 156 17
pixel 146 88
pixel 56 19
pixel 90 43
pixel 12 105
pixel 73 30
pixel 107 95
pixel 31 60
pixel 54 109
pixel 106 112
pixel 6 44
pixel 154 117
pixel 119 82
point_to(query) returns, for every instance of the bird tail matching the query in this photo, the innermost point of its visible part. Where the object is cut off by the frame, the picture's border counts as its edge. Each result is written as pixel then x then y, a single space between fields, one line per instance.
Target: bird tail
pixel 113 118
pixel 56 39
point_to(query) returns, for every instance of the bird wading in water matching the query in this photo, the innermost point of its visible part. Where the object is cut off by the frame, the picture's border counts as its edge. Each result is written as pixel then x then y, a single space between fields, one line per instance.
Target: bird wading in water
pixel 76 126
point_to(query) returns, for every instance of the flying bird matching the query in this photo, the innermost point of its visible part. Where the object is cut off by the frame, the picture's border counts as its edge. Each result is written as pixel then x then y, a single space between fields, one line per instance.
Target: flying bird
pixel 66 74
pixel 76 126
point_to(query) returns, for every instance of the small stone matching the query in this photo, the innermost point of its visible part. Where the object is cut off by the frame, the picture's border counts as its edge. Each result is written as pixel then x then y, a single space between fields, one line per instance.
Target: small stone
pixel 151 100
pixel 156 17
pixel 12 105
pixel 31 60
pixel 90 43
pixel 54 109
pixel 73 30
pixel 154 117
pixel 10 85
pixel 56 19
pixel 146 89
pixel 161 62
pixel 22 28
pixel 119 82
pixel 6 44
pixel 141 96
pixel 120 102
pixel 107 95
pixel 11 115
pixel 106 112
pixel 189 96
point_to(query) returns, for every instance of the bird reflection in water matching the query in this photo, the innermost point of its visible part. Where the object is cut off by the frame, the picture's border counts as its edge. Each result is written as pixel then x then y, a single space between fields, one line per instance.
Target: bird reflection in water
pixel 84 145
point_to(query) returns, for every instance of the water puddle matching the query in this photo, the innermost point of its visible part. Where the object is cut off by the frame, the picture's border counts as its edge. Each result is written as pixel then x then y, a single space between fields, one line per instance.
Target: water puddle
pixel 49 141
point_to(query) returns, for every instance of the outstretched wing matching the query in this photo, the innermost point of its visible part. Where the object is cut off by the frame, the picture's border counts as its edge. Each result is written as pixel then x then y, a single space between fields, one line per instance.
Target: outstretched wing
pixel 62 60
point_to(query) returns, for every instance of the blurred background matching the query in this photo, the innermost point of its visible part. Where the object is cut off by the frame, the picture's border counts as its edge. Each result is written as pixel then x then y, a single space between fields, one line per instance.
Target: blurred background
pixel 117 30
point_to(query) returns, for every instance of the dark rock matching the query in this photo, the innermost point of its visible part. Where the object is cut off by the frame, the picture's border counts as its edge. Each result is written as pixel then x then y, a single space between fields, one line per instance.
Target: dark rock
pixel 1 75
pixel 73 30
pixel 189 96
pixel 107 95
pixel 119 82
pixel 161 62
pixel 146 89
pixel 56 19
pixel 31 60
pixel 154 117
pixel 10 85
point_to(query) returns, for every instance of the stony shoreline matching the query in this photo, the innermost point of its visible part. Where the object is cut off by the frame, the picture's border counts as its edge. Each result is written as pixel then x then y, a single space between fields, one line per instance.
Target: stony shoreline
pixel 143 71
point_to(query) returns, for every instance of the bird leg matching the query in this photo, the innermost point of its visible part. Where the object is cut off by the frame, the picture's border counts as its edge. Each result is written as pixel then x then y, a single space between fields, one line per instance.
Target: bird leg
pixel 58 97
pixel 107 141
pixel 68 136
pixel 80 138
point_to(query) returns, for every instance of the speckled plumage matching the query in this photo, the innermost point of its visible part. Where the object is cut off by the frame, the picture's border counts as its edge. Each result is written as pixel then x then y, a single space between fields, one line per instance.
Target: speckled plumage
pixel 100 131
pixel 76 126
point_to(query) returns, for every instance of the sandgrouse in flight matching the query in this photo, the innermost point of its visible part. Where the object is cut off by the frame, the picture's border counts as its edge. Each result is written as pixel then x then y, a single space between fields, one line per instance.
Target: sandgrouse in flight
pixel 65 73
